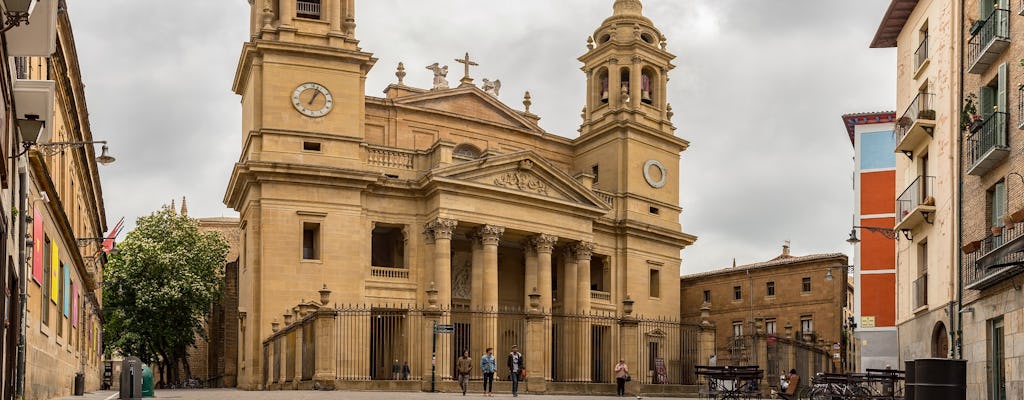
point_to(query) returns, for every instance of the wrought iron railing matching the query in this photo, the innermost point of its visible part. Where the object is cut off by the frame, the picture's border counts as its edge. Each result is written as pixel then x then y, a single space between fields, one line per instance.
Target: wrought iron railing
pixel 996 26
pixel 1020 105
pixel 21 67
pixel 921 291
pixel 921 54
pixel 919 108
pixel 992 134
pixel 917 193
pixel 973 271
pixel 307 9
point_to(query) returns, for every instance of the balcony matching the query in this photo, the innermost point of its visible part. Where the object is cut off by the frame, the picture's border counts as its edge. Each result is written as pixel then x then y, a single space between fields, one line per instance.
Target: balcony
pixel 921 57
pixel 307 9
pixel 987 147
pixel 916 203
pixel 600 296
pixel 995 258
pixel 921 292
pixel 988 41
pixel 916 125
pixel 389 273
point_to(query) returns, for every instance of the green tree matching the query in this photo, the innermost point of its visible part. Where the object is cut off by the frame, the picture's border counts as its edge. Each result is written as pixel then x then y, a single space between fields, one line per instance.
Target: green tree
pixel 159 287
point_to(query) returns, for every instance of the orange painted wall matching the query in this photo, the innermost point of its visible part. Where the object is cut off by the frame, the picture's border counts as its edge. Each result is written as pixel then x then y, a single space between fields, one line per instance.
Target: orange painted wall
pixel 878 298
pixel 876 193
pixel 876 251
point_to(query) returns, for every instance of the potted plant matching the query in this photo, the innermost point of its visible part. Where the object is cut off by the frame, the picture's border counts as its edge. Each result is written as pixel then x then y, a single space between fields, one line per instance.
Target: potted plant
pixel 926 114
pixel 969 113
pixel 1008 221
pixel 997 231
pixel 1017 216
pixel 971 247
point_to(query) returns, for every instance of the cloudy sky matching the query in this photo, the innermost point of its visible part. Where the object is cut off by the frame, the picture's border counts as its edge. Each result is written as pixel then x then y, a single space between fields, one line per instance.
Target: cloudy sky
pixel 758 91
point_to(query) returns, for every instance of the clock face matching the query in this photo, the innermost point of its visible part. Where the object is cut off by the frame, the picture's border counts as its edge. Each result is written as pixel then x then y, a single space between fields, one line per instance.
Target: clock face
pixel 312 100
pixel 655 174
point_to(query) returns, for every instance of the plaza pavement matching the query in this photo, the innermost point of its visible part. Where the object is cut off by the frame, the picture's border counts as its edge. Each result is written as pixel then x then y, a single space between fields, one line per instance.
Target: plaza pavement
pixel 230 394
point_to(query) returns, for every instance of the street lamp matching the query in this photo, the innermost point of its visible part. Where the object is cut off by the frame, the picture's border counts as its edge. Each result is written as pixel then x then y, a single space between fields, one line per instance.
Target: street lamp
pixel 890 234
pixel 17 12
pixel 828 275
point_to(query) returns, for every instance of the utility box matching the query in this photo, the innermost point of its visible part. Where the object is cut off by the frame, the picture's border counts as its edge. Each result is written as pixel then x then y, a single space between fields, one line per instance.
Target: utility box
pixel 131 379
pixel 147 382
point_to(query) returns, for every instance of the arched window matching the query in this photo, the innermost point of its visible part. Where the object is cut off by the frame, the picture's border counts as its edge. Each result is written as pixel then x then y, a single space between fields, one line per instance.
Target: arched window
pixel 601 85
pixel 648 93
pixel 466 150
pixel 940 341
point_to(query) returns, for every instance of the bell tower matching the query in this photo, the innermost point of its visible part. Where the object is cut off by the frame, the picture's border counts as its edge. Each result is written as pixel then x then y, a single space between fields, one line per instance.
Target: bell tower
pixel 302 73
pixel 627 137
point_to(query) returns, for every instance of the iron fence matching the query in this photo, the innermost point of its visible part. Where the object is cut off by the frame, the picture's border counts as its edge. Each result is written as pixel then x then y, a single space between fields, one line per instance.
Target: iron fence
pixel 398 342
pixel 991 135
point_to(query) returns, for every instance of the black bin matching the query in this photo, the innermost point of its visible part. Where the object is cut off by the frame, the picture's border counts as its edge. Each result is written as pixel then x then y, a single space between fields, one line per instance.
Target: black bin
pixel 79 384
pixel 909 376
pixel 939 379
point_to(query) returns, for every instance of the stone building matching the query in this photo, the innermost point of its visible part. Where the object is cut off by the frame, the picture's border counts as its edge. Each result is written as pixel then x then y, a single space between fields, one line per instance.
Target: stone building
pixel 795 297
pixel 926 37
pixel 873 239
pixel 446 195
pixel 992 204
pixel 64 216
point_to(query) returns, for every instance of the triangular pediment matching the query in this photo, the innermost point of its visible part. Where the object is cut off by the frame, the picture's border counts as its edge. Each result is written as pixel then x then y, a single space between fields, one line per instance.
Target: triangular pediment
pixel 524 173
pixel 471 103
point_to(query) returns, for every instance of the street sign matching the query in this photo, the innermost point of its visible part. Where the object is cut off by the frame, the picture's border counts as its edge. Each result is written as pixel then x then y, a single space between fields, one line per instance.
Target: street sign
pixel 444 329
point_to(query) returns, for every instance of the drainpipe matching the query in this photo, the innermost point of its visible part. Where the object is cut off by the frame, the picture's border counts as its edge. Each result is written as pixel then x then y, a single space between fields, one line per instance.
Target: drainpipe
pixel 22 277
pixel 956 316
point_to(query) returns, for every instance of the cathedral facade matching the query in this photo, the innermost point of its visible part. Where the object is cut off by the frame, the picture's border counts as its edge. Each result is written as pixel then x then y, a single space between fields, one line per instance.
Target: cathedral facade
pixel 446 199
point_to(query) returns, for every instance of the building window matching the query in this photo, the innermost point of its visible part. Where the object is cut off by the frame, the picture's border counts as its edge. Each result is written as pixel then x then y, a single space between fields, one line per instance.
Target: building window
pixel 737 293
pixel 60 301
pixel 47 253
pixel 806 284
pixel 311 146
pixel 806 324
pixel 387 247
pixel 770 287
pixel 655 283
pixel 600 274
pixel 307 9
pixel 997 359
pixel 770 326
pixel 310 241
pixel 922 49
pixel 997 204
pixel 596 172
pixel 467 151
pixel 707 296
pixel 737 328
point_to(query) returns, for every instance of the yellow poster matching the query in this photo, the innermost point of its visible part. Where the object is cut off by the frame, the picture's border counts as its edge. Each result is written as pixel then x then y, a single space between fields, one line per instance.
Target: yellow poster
pixel 54 273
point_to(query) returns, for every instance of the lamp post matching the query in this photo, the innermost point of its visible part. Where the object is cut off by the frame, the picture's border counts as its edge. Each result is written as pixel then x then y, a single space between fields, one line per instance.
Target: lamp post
pixel 17 13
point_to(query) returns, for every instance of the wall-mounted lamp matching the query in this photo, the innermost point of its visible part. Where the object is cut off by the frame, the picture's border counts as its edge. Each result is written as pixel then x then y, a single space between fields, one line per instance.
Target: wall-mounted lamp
pixel 53 148
pixel 890 234
pixel 828 275
pixel 17 13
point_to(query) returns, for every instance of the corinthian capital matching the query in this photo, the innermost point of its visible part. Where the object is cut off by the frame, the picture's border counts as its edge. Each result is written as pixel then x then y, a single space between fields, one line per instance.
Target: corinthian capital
pixel 544 243
pixel 490 234
pixel 442 228
pixel 583 250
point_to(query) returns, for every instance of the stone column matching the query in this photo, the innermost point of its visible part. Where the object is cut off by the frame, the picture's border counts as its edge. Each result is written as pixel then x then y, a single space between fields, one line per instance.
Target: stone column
pixel 476 301
pixel 544 245
pixel 536 350
pixel 287 12
pixel 614 84
pixel 530 283
pixel 583 250
pixel 442 229
pixel 325 365
pixel 567 289
pixel 629 345
pixel 335 17
pixel 490 235
pixel 636 82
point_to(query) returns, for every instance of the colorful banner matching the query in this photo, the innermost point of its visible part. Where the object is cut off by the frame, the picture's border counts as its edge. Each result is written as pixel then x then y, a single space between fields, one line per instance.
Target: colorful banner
pixel 74 305
pixel 67 291
pixel 54 273
pixel 37 247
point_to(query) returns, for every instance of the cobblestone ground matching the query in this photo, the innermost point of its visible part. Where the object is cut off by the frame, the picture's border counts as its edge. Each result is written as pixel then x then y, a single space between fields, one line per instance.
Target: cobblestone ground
pixel 227 394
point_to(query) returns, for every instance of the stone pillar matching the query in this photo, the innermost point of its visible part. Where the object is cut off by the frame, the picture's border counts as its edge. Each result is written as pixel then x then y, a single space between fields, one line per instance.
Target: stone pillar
pixel 583 250
pixel 443 229
pixel 531 283
pixel 335 17
pixel 325 368
pixel 568 289
pixel 544 245
pixel 536 340
pixel 636 83
pixel 287 12
pixel 476 301
pixel 614 84
pixel 629 345
pixel 490 235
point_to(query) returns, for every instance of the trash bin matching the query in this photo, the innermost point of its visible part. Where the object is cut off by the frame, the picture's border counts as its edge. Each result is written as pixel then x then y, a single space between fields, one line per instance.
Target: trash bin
pixel 939 379
pixel 147 382
pixel 908 390
pixel 79 384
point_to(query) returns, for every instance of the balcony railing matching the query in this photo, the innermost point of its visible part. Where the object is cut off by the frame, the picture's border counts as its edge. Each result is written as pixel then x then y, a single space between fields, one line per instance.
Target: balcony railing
pixel 916 200
pixel 1020 105
pixel 921 291
pixel 989 41
pixel 308 9
pixel 987 146
pixel 389 273
pixel 995 258
pixel 600 295
pixel 916 124
pixel 921 55
pixel 390 158
pixel 607 197
pixel 21 67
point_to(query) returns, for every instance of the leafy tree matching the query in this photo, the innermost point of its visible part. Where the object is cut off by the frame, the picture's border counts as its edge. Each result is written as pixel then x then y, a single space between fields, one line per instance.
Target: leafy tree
pixel 158 288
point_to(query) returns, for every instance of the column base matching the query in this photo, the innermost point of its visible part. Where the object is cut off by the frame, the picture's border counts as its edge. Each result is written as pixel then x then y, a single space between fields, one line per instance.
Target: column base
pixel 536 384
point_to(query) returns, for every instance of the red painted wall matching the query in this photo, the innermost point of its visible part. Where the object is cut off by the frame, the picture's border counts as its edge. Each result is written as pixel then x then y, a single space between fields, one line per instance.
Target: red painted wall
pixel 878 298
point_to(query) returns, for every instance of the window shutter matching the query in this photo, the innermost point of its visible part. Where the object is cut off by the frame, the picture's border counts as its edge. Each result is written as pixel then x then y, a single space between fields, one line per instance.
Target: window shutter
pixel 986 97
pixel 998 204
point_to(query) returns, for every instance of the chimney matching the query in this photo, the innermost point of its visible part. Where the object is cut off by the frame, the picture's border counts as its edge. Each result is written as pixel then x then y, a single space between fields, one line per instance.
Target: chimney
pixel 785 249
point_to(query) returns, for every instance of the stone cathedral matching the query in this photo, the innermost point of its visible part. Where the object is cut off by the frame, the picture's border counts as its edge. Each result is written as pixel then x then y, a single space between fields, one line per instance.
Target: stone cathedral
pixel 443 205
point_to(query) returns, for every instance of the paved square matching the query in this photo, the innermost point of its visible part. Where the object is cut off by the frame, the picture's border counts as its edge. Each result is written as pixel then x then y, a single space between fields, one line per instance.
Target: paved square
pixel 231 394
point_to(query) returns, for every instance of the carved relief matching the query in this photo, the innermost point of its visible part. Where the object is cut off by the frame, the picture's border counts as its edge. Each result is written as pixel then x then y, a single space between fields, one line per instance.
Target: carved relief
pixel 544 243
pixel 442 228
pixel 522 181
pixel 462 266
pixel 490 234
pixel 583 250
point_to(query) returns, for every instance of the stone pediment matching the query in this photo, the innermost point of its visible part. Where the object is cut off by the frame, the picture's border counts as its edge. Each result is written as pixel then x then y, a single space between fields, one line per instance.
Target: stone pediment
pixel 524 173
pixel 471 103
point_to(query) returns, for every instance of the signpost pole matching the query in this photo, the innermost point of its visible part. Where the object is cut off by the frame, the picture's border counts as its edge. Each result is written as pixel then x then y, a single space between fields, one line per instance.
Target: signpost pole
pixel 433 360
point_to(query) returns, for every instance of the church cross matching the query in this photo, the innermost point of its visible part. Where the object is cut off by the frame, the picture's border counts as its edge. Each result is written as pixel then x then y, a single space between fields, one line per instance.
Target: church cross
pixel 468 63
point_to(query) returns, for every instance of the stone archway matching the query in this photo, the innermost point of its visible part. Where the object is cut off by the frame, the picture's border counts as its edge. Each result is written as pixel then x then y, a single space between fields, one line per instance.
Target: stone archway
pixel 940 341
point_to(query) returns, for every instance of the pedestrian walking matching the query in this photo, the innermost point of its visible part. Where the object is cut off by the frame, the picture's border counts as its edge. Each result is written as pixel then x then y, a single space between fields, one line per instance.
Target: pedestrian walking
pixel 406 371
pixel 488 365
pixel 621 377
pixel 464 366
pixel 792 385
pixel 395 370
pixel 515 368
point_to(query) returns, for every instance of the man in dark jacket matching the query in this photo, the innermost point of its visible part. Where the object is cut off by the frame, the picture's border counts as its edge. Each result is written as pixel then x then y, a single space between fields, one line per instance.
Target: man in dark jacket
pixel 515 368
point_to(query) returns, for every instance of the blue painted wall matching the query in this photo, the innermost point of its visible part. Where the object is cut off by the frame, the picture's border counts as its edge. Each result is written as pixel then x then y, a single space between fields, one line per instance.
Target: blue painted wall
pixel 876 150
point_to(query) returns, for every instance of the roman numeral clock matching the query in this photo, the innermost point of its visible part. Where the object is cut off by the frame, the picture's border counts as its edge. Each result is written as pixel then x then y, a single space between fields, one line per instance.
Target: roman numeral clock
pixel 312 100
